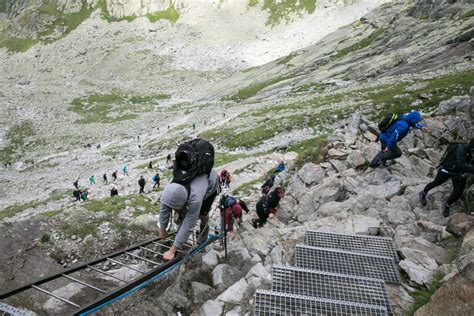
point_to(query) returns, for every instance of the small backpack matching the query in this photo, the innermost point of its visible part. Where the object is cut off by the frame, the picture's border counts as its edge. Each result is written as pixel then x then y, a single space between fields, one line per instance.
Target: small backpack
pixel 192 158
pixel 388 121
pixel 449 155
pixel 227 201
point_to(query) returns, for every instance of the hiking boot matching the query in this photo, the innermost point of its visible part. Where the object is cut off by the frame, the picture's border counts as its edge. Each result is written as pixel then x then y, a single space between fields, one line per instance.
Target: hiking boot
pixel 446 209
pixel 254 223
pixel 422 196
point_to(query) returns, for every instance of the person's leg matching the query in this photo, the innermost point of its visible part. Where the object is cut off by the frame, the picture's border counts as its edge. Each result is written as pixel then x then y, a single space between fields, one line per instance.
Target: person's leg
pixel 439 179
pixel 395 152
pixel 377 160
pixel 458 187
pixel 204 216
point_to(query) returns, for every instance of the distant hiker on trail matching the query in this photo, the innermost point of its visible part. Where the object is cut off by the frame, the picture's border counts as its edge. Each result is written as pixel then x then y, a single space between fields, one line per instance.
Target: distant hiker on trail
pixel 225 178
pixel 114 175
pixel 113 192
pixel 231 211
pixel 156 179
pixel 280 167
pixel 457 163
pixel 98 146
pixel 150 165
pixel 104 177
pixel 92 180
pixel 392 130
pixel 77 195
pixel 168 159
pixel 141 183
pixel 193 198
pixel 267 185
pixel 84 196
pixel 266 206
pixel 194 125
pixel 76 184
pixel 125 170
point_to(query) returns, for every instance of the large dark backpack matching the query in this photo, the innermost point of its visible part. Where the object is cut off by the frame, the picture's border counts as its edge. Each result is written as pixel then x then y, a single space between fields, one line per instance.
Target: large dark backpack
pixel 388 121
pixel 192 158
pixel 449 156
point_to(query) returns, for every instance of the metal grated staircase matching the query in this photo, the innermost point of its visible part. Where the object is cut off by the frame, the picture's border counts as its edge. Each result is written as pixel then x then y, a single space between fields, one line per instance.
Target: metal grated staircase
pixel 334 274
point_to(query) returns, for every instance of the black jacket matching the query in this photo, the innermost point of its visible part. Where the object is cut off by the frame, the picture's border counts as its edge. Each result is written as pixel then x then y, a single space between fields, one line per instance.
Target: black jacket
pixel 461 162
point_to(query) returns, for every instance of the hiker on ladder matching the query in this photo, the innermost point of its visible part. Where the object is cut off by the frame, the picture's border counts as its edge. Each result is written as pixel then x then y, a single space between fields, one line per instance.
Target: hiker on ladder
pixel 193 190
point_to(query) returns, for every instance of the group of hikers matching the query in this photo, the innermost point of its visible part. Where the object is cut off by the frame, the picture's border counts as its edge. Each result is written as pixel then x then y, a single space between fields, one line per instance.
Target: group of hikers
pixel 456 164
pixel 194 187
pixel 82 194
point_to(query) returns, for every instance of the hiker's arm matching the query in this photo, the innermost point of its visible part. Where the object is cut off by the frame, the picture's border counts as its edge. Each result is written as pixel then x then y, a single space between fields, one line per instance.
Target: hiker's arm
pixel 228 220
pixel 198 189
pixel 165 213
pixel 461 162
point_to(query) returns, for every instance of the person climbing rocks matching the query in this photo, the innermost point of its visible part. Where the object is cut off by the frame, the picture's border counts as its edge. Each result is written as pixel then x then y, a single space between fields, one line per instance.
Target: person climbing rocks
pixel 266 206
pixel 281 167
pixel 156 179
pixel 231 211
pixel 150 165
pixel 92 180
pixel 393 134
pixel 168 159
pixel 268 184
pixel 125 170
pixel 76 184
pixel 203 189
pixel 114 175
pixel 84 196
pixel 141 183
pixel 457 164
pixel 113 192
pixel 225 178
pixel 77 194
pixel 194 125
pixel 104 177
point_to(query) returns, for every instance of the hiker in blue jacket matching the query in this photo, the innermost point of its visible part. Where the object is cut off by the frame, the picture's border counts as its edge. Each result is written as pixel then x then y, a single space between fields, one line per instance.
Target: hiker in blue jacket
pixel 395 133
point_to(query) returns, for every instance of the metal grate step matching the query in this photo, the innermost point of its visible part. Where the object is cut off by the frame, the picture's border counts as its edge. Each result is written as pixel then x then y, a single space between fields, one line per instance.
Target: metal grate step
pixel 328 285
pixel 370 245
pixel 345 262
pixel 277 303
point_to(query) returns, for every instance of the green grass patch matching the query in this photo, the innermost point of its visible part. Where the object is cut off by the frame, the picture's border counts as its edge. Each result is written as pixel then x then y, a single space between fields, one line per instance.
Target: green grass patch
pixel 284 10
pixel 45 238
pixel 111 108
pixel 170 14
pixel 252 3
pixel 105 14
pixel 116 204
pixel 50 213
pixel 309 87
pixel 247 188
pixel 16 137
pixel 422 296
pixel 224 158
pixel 360 45
pixel 17 208
pixel 310 150
pixel 3 6
pixel 251 91
pixel 79 229
pixel 468 14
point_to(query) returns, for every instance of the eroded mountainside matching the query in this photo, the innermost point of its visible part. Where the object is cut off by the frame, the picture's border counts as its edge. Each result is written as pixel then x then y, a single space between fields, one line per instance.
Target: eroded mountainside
pixel 263 80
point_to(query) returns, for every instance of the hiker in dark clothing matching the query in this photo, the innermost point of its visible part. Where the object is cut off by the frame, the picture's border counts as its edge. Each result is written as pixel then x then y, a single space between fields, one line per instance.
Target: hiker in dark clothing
pixel 168 158
pixel 267 185
pixel 231 211
pixel 114 175
pixel 150 165
pixel 77 195
pixel 266 206
pixel 113 192
pixel 104 176
pixel 457 165
pixel 141 183
pixel 76 184
pixel 156 179
pixel 394 134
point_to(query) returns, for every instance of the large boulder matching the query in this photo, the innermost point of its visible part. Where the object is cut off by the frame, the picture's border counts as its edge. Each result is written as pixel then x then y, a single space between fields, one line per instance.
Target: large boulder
pixel 225 275
pixel 419 267
pixel 235 293
pixel 460 223
pixel 455 297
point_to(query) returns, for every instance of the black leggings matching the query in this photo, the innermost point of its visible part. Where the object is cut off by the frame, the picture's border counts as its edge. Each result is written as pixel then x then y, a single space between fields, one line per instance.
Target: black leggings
pixel 382 157
pixel 459 183
pixel 261 212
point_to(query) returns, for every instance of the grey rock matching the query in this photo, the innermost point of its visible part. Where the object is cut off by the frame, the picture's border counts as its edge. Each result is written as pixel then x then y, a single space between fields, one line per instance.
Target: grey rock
pixel 235 293
pixel 210 259
pixel 212 307
pixel 225 275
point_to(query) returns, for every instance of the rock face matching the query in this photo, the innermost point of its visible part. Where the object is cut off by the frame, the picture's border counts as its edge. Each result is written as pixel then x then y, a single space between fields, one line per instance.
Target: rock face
pixel 455 297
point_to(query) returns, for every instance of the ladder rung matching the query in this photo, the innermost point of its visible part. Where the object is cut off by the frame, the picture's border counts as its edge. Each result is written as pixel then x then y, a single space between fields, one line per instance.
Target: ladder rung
pixel 84 283
pixel 127 266
pixel 152 251
pixel 141 258
pixel 55 296
pixel 106 273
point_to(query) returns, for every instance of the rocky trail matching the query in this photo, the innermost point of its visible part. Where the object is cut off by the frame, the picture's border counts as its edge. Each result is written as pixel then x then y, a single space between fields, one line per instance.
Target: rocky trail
pixel 303 90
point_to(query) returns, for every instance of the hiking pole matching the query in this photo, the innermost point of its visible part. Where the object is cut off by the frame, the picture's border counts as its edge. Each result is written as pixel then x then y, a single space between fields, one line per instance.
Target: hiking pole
pixel 225 237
